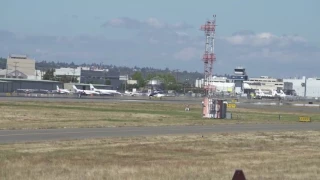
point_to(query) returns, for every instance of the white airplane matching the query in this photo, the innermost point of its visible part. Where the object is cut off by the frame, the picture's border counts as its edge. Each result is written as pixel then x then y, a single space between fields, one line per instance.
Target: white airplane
pixel 157 94
pixel 104 91
pixel 87 92
pixel 128 93
pixel 260 94
pixel 281 94
pixel 62 91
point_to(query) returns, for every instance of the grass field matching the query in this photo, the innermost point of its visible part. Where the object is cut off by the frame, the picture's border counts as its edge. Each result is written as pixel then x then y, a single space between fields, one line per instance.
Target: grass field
pixel 33 115
pixel 278 155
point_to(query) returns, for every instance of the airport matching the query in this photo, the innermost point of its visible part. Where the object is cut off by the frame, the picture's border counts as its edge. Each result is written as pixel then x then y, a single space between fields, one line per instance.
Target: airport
pixel 26 79
pixel 94 123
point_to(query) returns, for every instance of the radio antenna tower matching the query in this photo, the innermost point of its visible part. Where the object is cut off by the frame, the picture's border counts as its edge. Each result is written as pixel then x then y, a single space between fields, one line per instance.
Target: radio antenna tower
pixel 209 56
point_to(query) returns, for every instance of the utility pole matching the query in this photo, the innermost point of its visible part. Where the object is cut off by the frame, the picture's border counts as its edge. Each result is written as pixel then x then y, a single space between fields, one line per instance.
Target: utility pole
pixel 15 69
pixel 305 87
pixel 125 84
pixel 6 70
pixel 176 71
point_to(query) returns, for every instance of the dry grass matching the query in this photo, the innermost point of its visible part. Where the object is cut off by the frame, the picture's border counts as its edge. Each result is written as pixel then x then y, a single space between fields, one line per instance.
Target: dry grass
pixel 29 115
pixel 33 115
pixel 281 155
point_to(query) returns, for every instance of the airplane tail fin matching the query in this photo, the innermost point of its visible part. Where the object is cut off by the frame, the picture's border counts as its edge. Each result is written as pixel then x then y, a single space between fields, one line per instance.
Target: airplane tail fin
pixel 74 87
pixel 92 87
pixel 57 88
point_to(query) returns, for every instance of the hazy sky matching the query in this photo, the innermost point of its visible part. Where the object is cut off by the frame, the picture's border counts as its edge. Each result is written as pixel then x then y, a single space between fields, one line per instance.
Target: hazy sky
pixel 268 37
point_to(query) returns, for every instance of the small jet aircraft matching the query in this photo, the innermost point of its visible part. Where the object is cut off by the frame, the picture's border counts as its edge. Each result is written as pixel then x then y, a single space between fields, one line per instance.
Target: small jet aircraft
pixel 86 92
pixel 62 91
pixel 104 91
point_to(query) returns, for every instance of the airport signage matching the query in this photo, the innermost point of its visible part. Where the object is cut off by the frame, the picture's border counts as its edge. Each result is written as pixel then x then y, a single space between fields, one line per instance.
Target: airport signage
pixel 304 118
pixel 231 105
pixel 234 100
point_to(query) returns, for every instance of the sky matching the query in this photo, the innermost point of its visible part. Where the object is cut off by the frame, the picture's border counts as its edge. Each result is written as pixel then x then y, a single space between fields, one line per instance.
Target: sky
pixel 267 37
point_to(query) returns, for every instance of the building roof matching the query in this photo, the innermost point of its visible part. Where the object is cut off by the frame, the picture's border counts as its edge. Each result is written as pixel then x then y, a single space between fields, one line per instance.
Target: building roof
pixel 29 80
pixel 18 56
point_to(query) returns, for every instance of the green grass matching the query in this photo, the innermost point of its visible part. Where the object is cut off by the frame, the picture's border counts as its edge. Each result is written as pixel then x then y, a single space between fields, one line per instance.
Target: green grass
pixel 34 115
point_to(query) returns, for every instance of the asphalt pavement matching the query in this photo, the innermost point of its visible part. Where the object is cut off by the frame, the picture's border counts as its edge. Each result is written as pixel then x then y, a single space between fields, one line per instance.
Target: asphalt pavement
pixel 15 136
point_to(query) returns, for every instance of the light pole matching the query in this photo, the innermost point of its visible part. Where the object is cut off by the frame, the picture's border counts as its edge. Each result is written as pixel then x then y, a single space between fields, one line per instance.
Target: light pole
pixel 305 87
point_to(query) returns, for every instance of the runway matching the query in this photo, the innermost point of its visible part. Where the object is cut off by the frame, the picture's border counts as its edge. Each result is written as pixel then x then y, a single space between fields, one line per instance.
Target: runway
pixel 15 136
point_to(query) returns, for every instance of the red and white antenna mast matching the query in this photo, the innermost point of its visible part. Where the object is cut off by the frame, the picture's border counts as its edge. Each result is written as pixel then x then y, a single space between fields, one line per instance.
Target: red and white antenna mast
pixel 209 56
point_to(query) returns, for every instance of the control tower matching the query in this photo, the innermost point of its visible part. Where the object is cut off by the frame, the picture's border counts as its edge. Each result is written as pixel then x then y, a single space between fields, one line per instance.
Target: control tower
pixel 239 76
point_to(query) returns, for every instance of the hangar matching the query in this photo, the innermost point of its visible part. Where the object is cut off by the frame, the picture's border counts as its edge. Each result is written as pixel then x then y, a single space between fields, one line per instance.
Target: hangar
pixel 13 84
pixel 5 86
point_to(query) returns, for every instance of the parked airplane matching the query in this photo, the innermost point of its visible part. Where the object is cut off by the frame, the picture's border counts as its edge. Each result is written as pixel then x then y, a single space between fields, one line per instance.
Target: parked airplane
pixel 87 92
pixel 104 91
pixel 158 94
pixel 260 94
pixel 62 91
pixel 128 93
pixel 281 94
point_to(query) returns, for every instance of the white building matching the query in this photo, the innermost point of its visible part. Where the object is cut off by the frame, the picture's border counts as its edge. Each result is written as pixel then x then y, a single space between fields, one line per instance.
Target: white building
pixel 73 72
pixel 312 86
pixel 37 75
pixel 265 83
pixel 222 84
pixel 21 67
pixel 21 64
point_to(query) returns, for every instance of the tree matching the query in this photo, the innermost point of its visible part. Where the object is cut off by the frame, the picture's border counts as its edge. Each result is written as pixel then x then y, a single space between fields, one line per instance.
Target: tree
pixel 3 63
pixel 49 74
pixel 168 80
pixel 67 79
pixel 140 80
pixel 108 82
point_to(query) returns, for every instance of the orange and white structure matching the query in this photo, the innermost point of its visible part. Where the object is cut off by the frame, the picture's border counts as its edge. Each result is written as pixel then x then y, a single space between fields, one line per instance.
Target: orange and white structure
pixel 209 56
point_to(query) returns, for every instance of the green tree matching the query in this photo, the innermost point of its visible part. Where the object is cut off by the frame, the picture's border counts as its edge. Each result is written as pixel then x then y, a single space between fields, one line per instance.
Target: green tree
pixel 49 75
pixel 140 80
pixel 3 63
pixel 108 82
pixel 67 79
pixel 168 80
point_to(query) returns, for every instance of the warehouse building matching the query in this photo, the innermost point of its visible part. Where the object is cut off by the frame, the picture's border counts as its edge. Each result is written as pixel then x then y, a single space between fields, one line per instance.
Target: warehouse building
pixel 312 86
pixel 69 72
pixel 101 77
pixel 16 84
pixel 5 86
